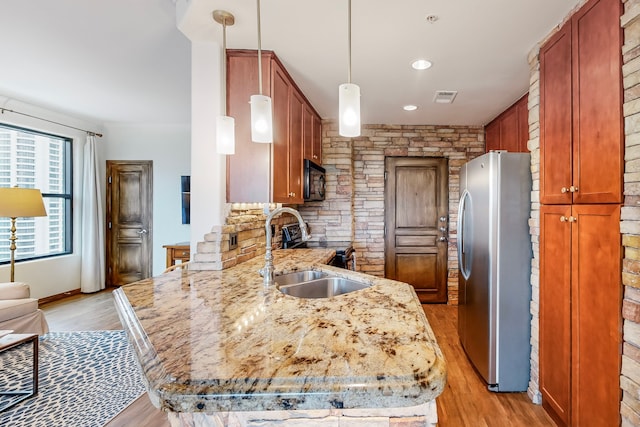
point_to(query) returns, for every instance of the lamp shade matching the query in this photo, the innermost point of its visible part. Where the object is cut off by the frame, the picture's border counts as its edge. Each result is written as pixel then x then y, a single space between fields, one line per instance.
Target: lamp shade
pixel 261 119
pixel 349 110
pixel 18 202
pixel 225 135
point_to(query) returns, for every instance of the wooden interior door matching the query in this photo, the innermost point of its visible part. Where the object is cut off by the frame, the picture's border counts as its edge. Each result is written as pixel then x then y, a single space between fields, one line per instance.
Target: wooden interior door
pixel 416 224
pixel 129 221
pixel 555 311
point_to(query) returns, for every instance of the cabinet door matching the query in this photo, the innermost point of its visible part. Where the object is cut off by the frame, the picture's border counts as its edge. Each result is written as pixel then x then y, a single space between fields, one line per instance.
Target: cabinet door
pixel 509 128
pixel 523 124
pixel 307 132
pixel 597 103
pixel 555 310
pixel 492 136
pixel 280 90
pixel 555 118
pixel 317 140
pixel 296 107
pixel 248 170
pixel 596 324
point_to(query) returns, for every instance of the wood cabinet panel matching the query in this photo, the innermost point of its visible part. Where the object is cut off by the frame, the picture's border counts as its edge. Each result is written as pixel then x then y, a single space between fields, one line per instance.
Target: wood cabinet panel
pixel 242 82
pixel 555 310
pixel 555 118
pixel 492 136
pixel 317 139
pixel 312 136
pixel 581 133
pixel 523 124
pixel 596 325
pixel 510 130
pixel 580 324
pixel 597 103
pixel 266 172
pixel 280 90
pixel 296 108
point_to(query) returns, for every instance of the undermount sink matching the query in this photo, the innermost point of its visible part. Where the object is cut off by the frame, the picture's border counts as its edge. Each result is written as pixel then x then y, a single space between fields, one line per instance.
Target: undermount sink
pixel 322 288
pixel 299 277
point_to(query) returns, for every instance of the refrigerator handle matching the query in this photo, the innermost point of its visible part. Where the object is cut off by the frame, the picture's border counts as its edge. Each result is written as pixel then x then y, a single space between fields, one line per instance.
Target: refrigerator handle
pixel 462 258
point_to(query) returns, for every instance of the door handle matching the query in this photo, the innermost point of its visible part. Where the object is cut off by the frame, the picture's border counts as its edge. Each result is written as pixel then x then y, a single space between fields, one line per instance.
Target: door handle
pixel 143 231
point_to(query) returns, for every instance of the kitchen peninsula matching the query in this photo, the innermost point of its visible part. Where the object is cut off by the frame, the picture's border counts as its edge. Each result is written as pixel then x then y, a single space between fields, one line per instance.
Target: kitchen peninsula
pixel 216 346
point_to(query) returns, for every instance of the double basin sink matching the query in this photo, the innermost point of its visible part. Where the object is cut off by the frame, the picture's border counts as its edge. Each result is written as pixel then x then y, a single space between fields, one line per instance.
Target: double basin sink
pixel 316 284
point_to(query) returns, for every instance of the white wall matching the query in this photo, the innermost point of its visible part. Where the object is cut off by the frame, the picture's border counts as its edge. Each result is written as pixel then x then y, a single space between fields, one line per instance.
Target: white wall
pixel 168 146
pixel 55 275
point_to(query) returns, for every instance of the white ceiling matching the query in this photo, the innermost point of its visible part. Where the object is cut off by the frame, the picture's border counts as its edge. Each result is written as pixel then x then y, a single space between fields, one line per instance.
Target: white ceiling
pixel 126 60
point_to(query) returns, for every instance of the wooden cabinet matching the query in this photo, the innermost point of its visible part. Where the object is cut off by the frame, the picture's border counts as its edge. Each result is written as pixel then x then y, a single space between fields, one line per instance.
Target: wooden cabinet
pixel 510 130
pixel 177 252
pixel 312 136
pixel 581 132
pixel 581 166
pixel 580 323
pixel 266 172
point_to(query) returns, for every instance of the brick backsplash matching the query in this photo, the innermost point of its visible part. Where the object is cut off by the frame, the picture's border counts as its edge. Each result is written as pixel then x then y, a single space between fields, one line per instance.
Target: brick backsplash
pixel 354 206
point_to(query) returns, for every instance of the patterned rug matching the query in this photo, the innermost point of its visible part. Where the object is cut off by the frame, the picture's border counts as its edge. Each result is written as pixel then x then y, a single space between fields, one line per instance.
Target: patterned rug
pixel 86 378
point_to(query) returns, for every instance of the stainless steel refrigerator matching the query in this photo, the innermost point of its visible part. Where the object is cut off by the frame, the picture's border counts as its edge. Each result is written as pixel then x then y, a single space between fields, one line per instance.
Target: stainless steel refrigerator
pixel 494 257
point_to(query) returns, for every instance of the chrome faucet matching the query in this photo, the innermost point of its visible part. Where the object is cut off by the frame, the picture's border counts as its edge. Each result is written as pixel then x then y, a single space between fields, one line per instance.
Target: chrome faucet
pixel 267 271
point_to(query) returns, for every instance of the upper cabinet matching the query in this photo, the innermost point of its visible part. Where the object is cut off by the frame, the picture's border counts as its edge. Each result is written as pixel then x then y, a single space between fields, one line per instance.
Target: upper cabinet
pixel 312 136
pixel 510 130
pixel 581 128
pixel 267 172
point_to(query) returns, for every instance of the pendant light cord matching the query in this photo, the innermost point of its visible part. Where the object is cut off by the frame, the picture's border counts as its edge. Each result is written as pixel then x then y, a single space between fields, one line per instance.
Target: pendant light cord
pixel 224 67
pixel 349 51
pixel 260 51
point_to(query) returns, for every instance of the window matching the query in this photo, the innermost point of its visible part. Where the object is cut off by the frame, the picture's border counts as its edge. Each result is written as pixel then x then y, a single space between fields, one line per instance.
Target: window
pixel 32 159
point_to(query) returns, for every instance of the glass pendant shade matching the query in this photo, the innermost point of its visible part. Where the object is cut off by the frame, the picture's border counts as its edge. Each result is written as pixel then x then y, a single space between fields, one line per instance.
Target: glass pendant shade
pixel 225 135
pixel 261 119
pixel 349 110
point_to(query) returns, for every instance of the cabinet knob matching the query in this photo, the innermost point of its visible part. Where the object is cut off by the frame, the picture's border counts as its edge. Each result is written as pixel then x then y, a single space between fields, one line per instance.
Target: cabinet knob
pixel 292 194
pixel 573 219
pixel 573 189
pixel 563 218
pixel 315 157
pixel 564 190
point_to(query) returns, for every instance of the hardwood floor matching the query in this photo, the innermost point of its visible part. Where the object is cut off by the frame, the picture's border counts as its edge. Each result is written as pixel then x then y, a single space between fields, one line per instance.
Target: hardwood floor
pixel 464 402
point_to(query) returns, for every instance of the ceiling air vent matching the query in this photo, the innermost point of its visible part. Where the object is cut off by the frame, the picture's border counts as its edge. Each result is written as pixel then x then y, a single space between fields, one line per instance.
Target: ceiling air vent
pixel 445 96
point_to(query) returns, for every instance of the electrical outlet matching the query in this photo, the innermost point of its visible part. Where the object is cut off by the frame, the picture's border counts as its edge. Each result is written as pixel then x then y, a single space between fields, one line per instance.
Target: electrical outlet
pixel 233 240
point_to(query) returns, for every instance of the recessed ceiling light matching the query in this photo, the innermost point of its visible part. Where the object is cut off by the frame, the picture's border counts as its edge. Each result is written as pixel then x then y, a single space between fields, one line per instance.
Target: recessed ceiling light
pixel 410 107
pixel 421 64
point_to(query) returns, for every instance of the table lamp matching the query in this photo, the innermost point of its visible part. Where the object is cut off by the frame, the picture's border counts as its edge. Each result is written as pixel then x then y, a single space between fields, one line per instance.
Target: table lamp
pixel 19 202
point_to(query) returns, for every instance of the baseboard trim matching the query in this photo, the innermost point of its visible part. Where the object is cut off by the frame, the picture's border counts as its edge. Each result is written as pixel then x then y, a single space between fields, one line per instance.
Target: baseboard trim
pixel 58 297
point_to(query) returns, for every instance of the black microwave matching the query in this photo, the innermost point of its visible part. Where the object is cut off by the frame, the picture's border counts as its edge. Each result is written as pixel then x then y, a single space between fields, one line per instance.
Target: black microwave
pixel 314 182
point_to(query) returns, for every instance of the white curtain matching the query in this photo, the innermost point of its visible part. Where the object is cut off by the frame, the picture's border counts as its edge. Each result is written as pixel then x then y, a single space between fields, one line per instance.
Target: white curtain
pixel 92 276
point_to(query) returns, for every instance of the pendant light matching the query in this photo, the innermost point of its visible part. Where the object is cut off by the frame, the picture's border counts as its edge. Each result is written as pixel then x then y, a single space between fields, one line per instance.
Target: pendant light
pixel 261 111
pixel 349 100
pixel 225 125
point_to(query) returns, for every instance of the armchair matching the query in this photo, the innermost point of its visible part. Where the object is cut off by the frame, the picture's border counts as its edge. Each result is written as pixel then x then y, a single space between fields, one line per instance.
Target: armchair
pixel 20 312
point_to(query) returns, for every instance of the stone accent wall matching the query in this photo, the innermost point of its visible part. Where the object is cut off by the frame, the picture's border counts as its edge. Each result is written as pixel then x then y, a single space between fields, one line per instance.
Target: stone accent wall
pixel 630 217
pixel 354 205
pixel 249 223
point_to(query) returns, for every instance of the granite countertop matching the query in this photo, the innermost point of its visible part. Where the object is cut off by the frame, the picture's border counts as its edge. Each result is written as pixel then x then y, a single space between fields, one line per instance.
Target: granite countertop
pixel 219 341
